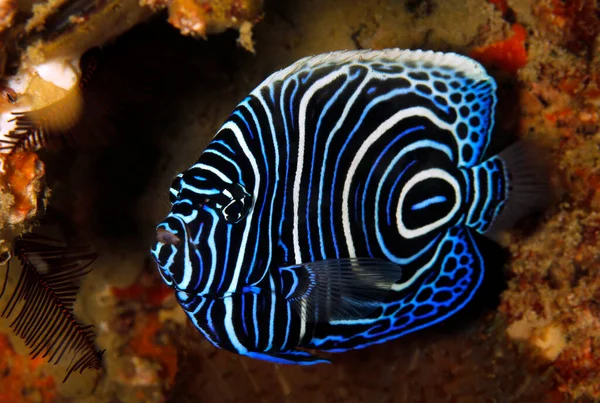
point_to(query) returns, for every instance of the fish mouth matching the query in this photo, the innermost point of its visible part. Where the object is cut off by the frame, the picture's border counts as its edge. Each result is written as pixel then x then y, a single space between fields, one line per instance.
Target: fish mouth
pixel 172 239
pixel 170 235
pixel 167 238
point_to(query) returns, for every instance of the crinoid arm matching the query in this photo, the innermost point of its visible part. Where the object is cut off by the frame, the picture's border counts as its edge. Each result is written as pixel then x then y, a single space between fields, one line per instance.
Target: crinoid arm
pixel 45 293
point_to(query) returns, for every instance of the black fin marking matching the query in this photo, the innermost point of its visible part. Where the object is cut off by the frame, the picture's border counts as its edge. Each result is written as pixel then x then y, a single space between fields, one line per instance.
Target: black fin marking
pixel 337 289
pixel 529 185
pixel 45 321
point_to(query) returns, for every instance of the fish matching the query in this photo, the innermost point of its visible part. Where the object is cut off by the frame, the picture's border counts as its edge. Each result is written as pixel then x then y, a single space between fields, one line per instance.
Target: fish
pixel 343 204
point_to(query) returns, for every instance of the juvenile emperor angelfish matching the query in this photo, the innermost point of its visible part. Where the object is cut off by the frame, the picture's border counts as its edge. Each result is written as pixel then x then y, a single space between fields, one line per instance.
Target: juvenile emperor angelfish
pixel 340 205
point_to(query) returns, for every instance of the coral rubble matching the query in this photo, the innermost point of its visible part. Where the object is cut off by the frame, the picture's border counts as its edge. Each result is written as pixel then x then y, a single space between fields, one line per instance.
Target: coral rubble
pixel 203 17
pixel 21 186
pixel 23 379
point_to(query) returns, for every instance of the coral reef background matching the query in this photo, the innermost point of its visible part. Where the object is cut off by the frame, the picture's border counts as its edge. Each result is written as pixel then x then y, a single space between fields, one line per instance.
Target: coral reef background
pixel 540 343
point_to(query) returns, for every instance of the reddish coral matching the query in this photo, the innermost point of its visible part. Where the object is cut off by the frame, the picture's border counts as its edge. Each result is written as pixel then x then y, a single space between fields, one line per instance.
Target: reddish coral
pixel 558 116
pixel 579 20
pixel 146 344
pixel 500 5
pixel 202 17
pixel 148 290
pixel 508 55
pixel 150 351
pixel 22 172
pixel 579 366
pixel 8 9
pixel 19 375
pixel 582 84
pixel 150 356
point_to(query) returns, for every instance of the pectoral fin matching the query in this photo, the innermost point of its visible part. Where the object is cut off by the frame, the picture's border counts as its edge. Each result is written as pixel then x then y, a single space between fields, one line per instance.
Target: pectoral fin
pixel 338 289
pixel 296 357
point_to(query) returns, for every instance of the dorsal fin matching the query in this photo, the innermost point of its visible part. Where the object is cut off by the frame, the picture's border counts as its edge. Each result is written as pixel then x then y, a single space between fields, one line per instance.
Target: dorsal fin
pixel 454 83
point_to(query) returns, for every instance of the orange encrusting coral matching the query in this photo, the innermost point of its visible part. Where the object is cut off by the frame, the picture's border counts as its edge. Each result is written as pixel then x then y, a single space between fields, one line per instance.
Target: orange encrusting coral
pixel 203 17
pixel 144 344
pixel 558 116
pixel 151 294
pixel 20 377
pixel 20 176
pixel 579 21
pixel 500 5
pixel 581 84
pixel 508 55
pixel 555 282
pixel 147 345
pixel 579 367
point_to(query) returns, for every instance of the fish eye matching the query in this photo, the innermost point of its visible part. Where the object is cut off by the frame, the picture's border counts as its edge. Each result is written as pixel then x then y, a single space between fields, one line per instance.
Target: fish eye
pixel 239 204
pixel 175 188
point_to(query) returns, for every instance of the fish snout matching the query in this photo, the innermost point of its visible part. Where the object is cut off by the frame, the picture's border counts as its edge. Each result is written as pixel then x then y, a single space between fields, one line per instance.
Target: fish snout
pixel 170 235
pixel 166 237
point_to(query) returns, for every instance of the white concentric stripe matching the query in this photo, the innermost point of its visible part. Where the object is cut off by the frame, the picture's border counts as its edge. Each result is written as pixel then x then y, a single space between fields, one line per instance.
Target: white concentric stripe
pixel 488 195
pixel 226 158
pixel 340 122
pixel 213 252
pixel 397 287
pixel 284 345
pixel 475 187
pixel 427 266
pixel 212 169
pixel 419 177
pixel 193 317
pixel 283 104
pixel 187 267
pixel 206 192
pixel 275 186
pixel 168 263
pixel 320 83
pixel 230 328
pixel 371 139
pixel 255 319
pixel 185 218
pixel 303 319
pixel 248 222
pixel 265 186
pixel 273 300
pixel 406 150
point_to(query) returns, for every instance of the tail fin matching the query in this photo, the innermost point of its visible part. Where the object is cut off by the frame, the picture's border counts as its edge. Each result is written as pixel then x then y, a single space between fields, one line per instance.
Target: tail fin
pixel 529 187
